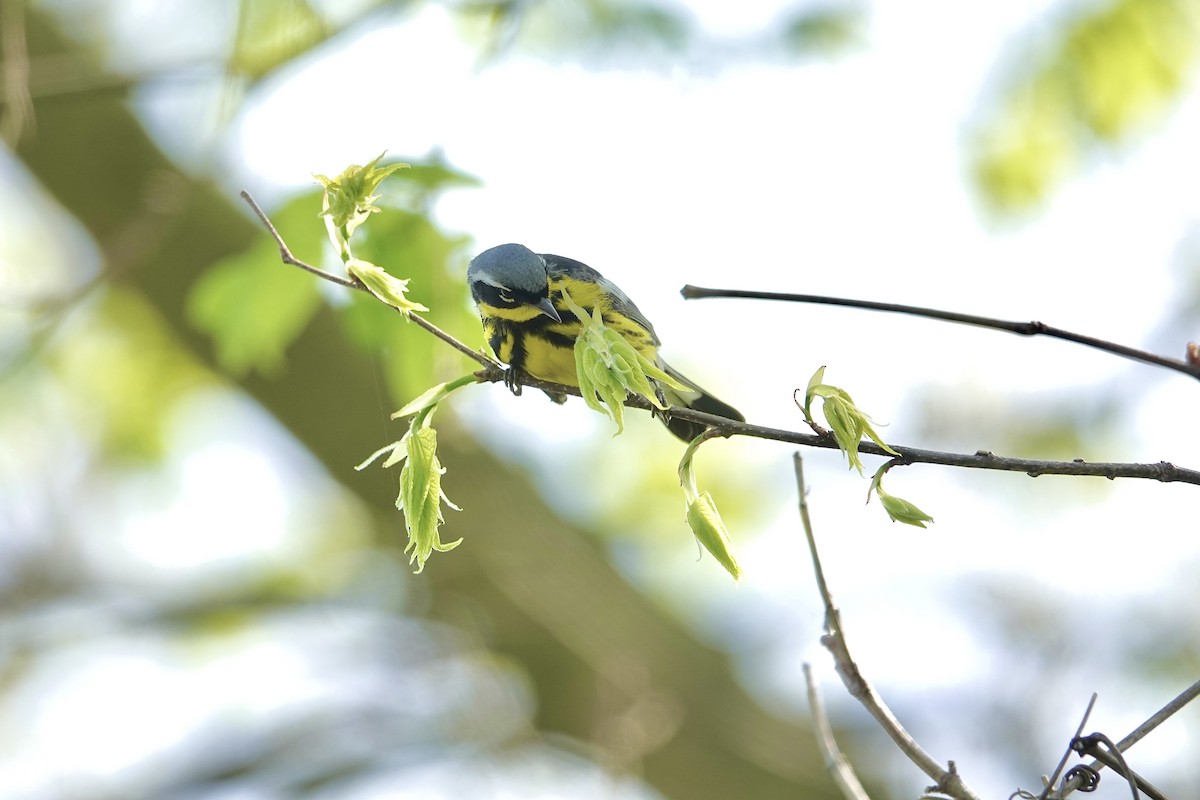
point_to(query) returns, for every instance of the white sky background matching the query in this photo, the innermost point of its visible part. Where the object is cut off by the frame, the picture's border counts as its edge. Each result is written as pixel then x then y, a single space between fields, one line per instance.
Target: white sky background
pixel 845 178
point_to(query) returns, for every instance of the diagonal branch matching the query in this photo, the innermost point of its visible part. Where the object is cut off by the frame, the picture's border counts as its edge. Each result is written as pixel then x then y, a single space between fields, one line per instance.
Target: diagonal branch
pixel 1189 367
pixel 948 781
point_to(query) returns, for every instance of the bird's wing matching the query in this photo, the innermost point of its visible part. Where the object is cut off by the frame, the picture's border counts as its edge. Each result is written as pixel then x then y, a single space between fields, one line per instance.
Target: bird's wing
pixel 621 302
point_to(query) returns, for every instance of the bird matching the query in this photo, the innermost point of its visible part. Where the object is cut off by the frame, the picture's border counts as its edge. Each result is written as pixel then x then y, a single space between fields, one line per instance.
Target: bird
pixel 526 322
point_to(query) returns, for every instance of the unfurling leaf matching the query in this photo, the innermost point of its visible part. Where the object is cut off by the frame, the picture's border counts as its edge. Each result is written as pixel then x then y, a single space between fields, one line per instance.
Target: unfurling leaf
pixel 848 422
pixel 609 368
pixel 350 197
pixel 421 497
pixel 709 529
pixel 384 286
pixel 899 509
pixel 702 515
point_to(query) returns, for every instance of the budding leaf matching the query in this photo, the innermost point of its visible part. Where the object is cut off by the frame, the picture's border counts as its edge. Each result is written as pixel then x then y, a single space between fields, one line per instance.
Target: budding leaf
pixel 709 529
pixel 383 285
pixel 350 197
pixel 848 422
pixel 421 497
pixel 899 509
pixel 609 368
pixel 703 517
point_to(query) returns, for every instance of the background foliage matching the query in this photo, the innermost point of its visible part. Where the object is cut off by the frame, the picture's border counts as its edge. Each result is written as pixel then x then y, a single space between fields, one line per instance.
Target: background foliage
pixel 200 598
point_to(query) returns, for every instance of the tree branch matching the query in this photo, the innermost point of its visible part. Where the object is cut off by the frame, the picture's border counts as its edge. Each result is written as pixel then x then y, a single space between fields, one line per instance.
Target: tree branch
pixel 285 255
pixel 494 371
pixel 948 780
pixel 1035 328
pixel 982 459
pixel 836 764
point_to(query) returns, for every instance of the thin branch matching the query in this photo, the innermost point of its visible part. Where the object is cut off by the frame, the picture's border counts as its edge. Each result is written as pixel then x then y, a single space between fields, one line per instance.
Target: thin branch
pixel 1020 328
pixel 948 781
pixel 1087 712
pixel 836 764
pixel 285 255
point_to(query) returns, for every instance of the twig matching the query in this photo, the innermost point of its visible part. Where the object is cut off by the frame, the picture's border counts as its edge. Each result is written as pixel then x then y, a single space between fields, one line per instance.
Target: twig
pixel 1020 328
pixel 285 255
pixel 835 763
pixel 948 781
pixel 1087 712
pixel 1141 731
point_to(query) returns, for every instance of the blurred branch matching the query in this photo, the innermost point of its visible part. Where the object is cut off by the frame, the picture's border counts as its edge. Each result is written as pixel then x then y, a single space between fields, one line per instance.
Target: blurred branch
pixel 1087 712
pixel 18 116
pixel 837 765
pixel 493 371
pixel 948 780
pixel 1020 328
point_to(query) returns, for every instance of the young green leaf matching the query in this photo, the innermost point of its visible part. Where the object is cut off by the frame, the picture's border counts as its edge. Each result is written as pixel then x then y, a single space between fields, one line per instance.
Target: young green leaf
pixel 899 509
pixel 421 497
pixel 384 286
pixel 709 529
pixel 848 422
pixel 350 197
pixel 609 368
pixel 702 515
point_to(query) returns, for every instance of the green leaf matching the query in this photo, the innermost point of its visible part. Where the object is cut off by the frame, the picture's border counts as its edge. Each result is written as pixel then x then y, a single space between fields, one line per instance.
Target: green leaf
pixel 273 32
pixel 709 529
pixel 609 368
pixel 350 197
pixel 432 396
pixel 421 497
pixel 388 288
pixel 252 305
pixel 848 422
pixel 899 509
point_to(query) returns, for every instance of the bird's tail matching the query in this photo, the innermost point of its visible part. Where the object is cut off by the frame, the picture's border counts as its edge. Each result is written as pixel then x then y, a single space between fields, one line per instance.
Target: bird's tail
pixel 696 399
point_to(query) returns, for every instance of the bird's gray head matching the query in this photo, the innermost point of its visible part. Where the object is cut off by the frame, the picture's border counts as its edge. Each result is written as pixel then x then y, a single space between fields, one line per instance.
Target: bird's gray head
pixel 511 276
pixel 513 268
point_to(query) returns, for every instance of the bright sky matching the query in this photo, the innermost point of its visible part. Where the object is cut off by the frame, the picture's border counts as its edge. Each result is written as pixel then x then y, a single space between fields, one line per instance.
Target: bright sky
pixel 842 178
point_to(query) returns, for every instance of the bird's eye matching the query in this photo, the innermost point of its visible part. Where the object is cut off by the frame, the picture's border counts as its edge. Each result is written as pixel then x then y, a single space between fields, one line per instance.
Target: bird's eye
pixel 505 297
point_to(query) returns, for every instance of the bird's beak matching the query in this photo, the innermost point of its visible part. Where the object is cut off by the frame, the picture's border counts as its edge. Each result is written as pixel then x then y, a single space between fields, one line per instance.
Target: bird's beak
pixel 547 308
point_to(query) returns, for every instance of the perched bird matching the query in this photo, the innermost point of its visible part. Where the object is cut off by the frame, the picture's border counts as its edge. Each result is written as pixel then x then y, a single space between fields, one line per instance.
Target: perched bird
pixel 519 294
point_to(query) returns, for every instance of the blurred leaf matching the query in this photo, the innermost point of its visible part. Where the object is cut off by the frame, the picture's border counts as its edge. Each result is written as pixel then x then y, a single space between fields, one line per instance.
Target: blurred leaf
pixel 1113 71
pixel 824 31
pixel 273 32
pixel 127 374
pixel 594 27
pixel 436 175
pixel 409 245
pixel 252 305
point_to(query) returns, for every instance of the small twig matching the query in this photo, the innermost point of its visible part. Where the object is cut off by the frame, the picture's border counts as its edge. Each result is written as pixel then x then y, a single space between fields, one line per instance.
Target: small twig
pixel 836 764
pixel 285 255
pixel 1140 732
pixel 948 781
pixel 1067 755
pixel 1020 328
